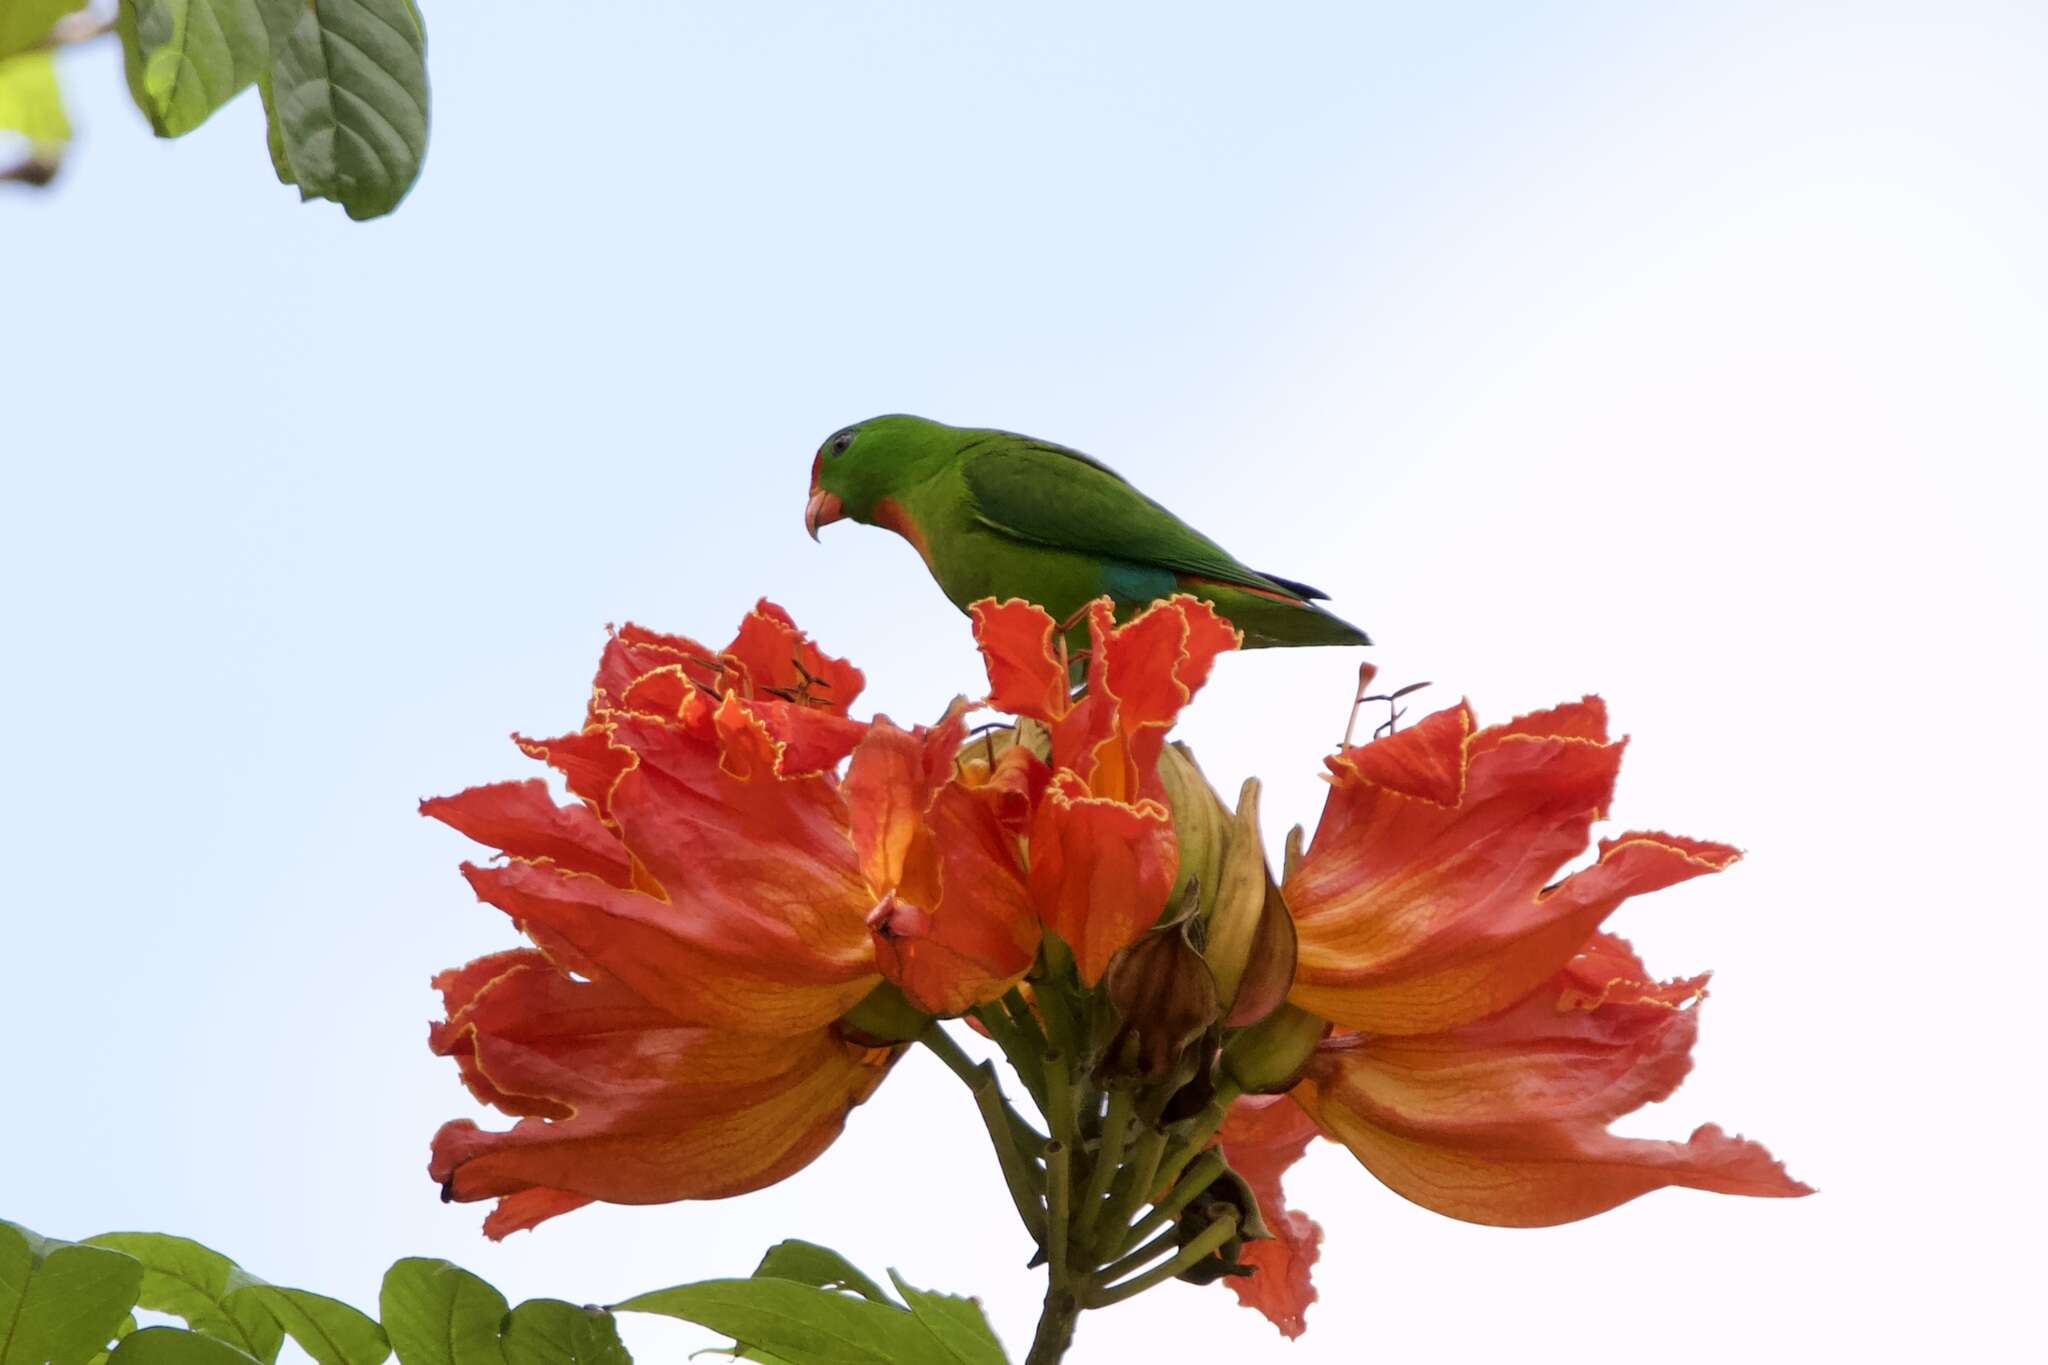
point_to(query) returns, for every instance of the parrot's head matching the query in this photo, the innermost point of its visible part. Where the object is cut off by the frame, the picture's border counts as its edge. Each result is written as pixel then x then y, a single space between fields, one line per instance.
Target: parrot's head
pixel 861 470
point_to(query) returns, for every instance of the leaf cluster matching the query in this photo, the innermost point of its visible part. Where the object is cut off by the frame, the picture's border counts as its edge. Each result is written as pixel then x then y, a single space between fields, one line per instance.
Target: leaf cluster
pixel 343 83
pixel 74 1303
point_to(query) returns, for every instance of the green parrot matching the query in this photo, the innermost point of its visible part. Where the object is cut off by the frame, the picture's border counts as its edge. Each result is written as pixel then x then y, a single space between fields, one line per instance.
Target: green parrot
pixel 995 514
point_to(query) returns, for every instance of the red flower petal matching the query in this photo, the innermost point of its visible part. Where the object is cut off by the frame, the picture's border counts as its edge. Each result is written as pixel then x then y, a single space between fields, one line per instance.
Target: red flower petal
pixel 522 820
pixel 1262 1136
pixel 981 934
pixel 770 657
pixel 715 824
pixel 634 652
pixel 1154 663
pixel 653 1113
pixel 528 1208
pixel 1100 870
pixel 1027 675
pixel 885 793
pixel 590 764
pixel 959 929
pixel 1504 1121
pixel 1585 719
pixel 1426 761
pixel 1421 902
pixel 714 959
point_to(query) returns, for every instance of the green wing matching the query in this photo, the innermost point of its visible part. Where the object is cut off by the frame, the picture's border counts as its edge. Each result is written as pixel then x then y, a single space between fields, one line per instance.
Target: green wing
pixel 1049 495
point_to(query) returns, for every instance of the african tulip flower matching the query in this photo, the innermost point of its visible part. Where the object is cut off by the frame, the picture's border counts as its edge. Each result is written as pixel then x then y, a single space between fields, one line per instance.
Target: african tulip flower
pixel 702 918
pixel 1488 1032
pixel 1101 836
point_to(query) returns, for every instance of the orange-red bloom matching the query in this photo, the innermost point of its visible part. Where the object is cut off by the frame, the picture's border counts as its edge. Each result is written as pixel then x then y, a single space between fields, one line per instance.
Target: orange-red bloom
pixel 1488 1031
pixel 1102 846
pixel 715 902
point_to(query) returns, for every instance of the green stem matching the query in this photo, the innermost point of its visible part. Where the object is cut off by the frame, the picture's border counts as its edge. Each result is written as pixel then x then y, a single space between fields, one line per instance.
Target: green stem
pixel 1199 1177
pixel 1211 1237
pixel 1026 1182
pixel 960 1064
pixel 1059 1097
pixel 1021 1013
pixel 1019 1049
pixel 1143 1256
pixel 1195 1141
pixel 1139 1180
pixel 1055 1325
pixel 1058 1191
pixel 1109 1155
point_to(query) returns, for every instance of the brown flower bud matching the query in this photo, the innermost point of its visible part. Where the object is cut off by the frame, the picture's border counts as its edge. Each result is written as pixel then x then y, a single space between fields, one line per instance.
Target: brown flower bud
pixel 1227 1194
pixel 1164 999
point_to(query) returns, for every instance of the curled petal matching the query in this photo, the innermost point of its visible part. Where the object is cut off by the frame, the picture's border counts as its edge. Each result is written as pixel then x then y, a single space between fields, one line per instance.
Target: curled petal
pixel 1100 870
pixel 718 828
pixel 633 652
pixel 647 1112
pixel 955 927
pixel 886 791
pixel 1027 675
pixel 522 820
pixel 1154 663
pixel 770 657
pixel 1262 1137
pixel 1421 902
pixel 1504 1121
pixel 1584 719
pixel 709 960
pixel 590 764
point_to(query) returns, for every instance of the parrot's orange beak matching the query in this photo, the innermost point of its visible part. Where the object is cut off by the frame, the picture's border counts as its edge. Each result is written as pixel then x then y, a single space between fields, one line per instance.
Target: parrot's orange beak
pixel 822 510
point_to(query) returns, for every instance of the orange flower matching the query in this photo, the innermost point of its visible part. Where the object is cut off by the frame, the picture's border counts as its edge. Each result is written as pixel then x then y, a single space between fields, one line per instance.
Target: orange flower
pixel 1504 1120
pixel 1488 1031
pixel 703 917
pixel 1102 846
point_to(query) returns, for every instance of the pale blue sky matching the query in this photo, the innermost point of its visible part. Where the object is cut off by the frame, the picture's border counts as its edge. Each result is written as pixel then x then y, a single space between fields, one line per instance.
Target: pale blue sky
pixel 1691 357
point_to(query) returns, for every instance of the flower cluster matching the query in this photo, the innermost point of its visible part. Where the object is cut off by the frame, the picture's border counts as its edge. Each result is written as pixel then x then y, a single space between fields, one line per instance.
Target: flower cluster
pixel 755 900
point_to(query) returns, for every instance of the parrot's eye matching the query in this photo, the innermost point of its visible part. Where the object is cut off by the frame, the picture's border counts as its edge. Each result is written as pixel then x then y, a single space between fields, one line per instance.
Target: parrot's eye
pixel 838 444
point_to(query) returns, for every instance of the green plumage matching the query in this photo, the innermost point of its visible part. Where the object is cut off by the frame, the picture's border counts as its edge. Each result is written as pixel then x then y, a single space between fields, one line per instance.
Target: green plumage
pixel 996 514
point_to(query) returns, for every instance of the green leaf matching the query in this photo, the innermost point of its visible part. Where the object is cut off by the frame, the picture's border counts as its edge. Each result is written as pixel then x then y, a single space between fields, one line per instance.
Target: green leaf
pixel 198 1284
pixel 809 1263
pixel 551 1332
pixel 439 1314
pixel 191 57
pixel 347 94
pixel 60 1303
pixel 958 1323
pixel 801 1324
pixel 126 1326
pixel 326 1329
pixel 175 1346
pixel 26 23
pixel 32 105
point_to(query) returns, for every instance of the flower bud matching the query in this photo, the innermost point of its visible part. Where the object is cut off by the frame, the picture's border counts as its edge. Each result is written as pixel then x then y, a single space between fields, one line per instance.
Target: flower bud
pixel 1251 934
pixel 1199 825
pixel 1270 1056
pixel 1164 999
pixel 882 1017
pixel 1227 1194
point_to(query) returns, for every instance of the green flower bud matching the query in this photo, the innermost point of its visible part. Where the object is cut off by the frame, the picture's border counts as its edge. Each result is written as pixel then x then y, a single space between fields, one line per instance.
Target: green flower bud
pixel 1251 944
pixel 882 1017
pixel 1200 825
pixel 1270 1056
